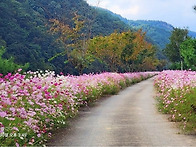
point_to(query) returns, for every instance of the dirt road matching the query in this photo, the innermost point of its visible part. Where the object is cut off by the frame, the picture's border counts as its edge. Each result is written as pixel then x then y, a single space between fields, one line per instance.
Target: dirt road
pixel 127 119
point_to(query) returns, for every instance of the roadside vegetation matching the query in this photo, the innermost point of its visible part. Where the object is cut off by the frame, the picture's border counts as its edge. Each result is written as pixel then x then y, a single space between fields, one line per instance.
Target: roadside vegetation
pixel 176 92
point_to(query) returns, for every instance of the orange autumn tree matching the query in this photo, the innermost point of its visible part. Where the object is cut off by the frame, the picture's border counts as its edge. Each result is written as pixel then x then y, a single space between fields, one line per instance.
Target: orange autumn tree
pixel 110 48
pixel 144 53
pixel 123 52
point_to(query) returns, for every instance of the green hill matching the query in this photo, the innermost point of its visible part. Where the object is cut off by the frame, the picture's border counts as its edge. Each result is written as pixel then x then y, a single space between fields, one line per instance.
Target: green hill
pixel 24 29
pixel 158 31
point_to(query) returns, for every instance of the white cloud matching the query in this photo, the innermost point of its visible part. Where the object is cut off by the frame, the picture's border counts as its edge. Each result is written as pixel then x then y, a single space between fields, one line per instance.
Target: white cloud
pixel 133 10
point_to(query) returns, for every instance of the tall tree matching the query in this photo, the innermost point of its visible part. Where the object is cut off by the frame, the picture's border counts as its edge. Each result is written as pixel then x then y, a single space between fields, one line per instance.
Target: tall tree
pixel 144 53
pixel 172 49
pixel 73 40
pixel 108 49
pixel 188 51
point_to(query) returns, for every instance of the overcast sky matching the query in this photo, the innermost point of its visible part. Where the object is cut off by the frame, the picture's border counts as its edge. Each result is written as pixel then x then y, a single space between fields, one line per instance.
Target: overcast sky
pixel 178 13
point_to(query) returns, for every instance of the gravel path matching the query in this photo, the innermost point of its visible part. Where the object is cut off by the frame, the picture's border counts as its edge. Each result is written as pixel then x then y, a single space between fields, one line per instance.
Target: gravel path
pixel 127 119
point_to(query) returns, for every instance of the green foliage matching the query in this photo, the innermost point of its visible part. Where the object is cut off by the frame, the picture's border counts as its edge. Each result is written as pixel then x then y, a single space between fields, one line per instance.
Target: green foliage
pixel 105 23
pixel 175 66
pixel 81 60
pixel 188 51
pixel 8 65
pixel 172 49
pixel 25 34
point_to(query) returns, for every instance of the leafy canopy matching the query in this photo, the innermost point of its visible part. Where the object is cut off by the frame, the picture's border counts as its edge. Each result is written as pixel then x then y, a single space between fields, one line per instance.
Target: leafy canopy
pixel 172 50
pixel 8 65
pixel 126 51
pixel 188 51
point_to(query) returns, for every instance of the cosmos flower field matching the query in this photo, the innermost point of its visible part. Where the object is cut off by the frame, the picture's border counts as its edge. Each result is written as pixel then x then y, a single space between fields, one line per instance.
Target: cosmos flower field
pixel 176 93
pixel 34 104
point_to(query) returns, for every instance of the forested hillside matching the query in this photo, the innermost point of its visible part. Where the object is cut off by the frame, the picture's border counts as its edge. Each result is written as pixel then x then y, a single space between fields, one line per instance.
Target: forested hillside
pixel 24 26
pixel 158 31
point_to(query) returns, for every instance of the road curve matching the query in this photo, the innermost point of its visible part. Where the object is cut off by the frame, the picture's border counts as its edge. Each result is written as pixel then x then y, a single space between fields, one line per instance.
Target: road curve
pixel 127 119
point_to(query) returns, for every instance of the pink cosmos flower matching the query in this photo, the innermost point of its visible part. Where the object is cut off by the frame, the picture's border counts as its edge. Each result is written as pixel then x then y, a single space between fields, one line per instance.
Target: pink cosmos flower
pixel 19 69
pixel 3 114
pixel 1 129
pixel 38 135
pixel 49 134
pixel 9 74
pixel 17 145
pixel 11 118
pixel 15 128
pixel 31 113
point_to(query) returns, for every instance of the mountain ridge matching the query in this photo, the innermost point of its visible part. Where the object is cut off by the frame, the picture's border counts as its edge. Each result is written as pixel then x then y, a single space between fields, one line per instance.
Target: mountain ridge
pixel 159 31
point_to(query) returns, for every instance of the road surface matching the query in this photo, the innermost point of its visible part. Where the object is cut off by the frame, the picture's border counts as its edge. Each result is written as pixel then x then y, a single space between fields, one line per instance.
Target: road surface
pixel 127 119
